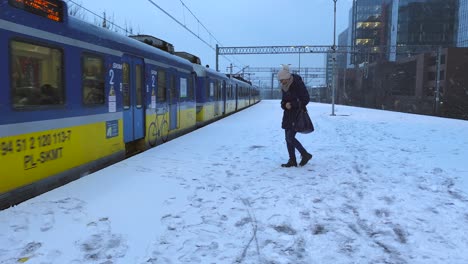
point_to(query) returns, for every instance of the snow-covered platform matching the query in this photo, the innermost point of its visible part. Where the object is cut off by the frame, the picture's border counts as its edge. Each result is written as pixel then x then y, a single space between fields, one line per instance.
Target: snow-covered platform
pixel 383 187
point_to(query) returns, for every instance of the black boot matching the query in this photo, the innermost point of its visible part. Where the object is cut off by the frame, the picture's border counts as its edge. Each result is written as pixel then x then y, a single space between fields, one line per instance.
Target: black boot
pixel 305 158
pixel 291 163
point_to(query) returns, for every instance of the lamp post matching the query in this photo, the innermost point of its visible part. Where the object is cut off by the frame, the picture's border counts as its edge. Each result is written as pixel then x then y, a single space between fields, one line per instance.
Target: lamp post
pixel 334 59
pixel 299 61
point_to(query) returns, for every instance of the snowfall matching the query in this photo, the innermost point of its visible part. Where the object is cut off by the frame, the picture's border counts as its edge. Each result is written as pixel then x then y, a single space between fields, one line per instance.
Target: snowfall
pixel 382 187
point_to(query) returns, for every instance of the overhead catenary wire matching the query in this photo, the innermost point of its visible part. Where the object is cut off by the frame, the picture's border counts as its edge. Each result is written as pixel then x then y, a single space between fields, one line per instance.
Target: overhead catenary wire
pixel 189 30
pixel 127 32
pixel 101 17
pixel 199 22
pixel 181 24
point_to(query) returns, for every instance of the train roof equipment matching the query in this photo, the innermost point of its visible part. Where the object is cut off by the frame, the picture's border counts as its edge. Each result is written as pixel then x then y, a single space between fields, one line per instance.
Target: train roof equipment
pixel 155 42
pixel 188 56
pixel 238 77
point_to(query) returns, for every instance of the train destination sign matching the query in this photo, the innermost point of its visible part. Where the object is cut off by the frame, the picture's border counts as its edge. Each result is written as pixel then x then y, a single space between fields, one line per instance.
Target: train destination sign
pixel 50 9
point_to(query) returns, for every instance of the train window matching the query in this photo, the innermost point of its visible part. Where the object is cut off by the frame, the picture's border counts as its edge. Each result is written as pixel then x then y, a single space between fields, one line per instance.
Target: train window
pixel 36 75
pixel 161 86
pixel 218 90
pixel 126 85
pixel 228 91
pixel 223 90
pixel 139 86
pixel 211 89
pixel 93 79
pixel 183 87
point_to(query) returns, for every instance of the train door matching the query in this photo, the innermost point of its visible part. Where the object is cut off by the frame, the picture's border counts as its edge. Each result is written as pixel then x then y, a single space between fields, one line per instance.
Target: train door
pixel 132 94
pixel 223 96
pixel 237 96
pixel 216 98
pixel 173 100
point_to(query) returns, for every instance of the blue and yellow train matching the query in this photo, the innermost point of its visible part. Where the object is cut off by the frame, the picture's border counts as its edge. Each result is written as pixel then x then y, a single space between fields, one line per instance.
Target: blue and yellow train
pixel 75 97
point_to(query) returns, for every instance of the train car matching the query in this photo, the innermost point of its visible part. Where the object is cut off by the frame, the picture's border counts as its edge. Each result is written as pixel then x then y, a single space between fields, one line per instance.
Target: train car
pixel 77 97
pixel 211 94
pixel 219 94
pixel 254 95
pixel 171 105
pixel 230 97
pixel 243 93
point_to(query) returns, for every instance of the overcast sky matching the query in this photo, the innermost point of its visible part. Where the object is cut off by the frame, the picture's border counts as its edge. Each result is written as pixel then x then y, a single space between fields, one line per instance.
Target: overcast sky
pixel 233 23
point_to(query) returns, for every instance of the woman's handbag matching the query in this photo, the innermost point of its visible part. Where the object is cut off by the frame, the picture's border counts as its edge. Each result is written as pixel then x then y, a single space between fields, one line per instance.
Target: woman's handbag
pixel 303 123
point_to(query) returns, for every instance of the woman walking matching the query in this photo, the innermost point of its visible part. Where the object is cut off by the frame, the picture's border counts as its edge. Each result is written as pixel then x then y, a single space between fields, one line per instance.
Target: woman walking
pixel 294 98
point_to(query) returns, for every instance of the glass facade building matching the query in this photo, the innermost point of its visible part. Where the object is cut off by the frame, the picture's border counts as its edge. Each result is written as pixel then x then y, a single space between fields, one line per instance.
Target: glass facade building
pixel 422 22
pixel 381 25
pixel 368 29
pixel 462 40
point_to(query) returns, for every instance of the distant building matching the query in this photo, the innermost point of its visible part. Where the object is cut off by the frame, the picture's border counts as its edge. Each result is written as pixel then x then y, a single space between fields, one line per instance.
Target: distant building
pixel 420 23
pixel 416 84
pixel 395 64
pixel 341 56
pixel 462 40
pixel 349 41
pixel 329 72
pixel 368 29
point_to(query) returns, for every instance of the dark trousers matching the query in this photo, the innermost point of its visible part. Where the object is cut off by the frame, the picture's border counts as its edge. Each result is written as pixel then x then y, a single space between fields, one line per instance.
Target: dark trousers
pixel 292 143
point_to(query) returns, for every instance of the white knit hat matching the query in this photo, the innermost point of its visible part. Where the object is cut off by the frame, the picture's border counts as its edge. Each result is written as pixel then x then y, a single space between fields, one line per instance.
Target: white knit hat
pixel 284 73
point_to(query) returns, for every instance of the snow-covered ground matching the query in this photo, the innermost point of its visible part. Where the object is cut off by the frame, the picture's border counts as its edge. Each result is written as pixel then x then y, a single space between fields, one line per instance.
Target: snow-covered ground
pixel 383 187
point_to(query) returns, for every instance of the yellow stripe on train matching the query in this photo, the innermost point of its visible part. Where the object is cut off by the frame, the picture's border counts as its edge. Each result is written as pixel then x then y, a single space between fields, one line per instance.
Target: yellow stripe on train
pixel 30 157
pixel 207 112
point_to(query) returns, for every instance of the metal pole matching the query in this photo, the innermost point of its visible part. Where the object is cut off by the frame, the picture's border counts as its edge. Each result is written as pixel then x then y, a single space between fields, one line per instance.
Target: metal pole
pixel 334 59
pixel 272 80
pixel 299 62
pixel 344 82
pixel 217 54
pixel 437 92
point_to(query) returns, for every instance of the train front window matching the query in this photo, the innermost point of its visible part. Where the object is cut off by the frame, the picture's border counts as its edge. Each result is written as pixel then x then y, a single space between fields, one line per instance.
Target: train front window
pixel 35 75
pixel 93 80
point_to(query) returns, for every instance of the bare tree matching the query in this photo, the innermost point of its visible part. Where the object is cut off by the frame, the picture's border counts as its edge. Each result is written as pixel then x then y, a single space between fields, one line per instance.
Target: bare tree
pixel 128 28
pixel 106 22
pixel 76 9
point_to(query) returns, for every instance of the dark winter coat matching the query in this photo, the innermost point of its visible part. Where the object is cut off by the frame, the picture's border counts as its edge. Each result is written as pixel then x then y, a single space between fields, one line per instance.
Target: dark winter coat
pixel 298 96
